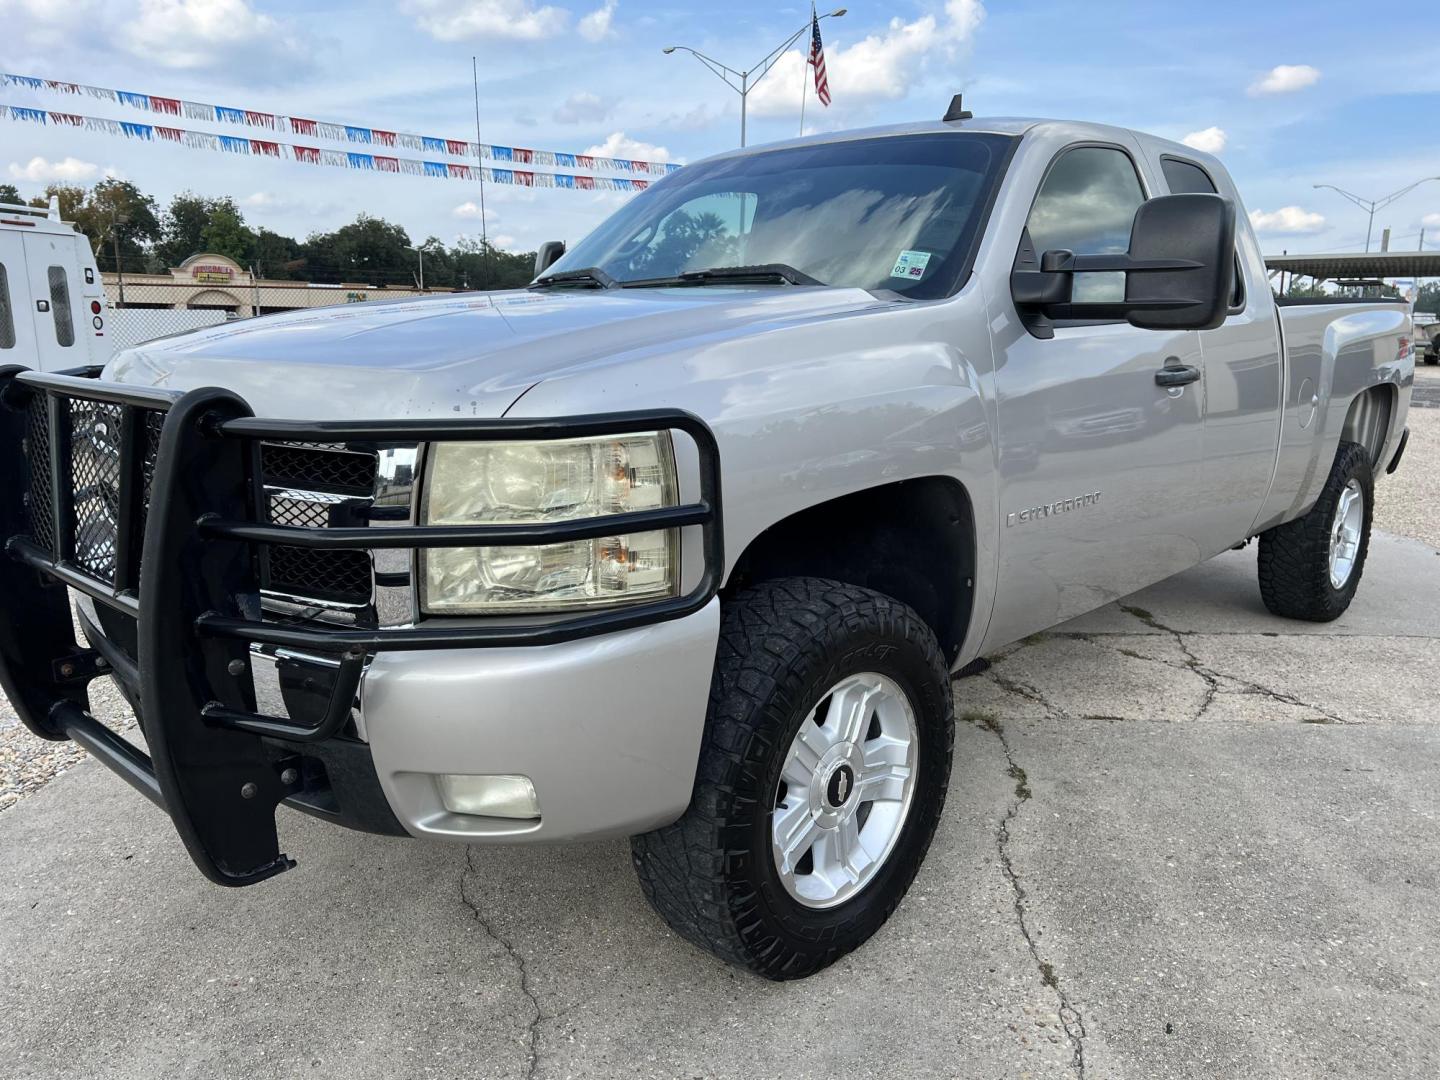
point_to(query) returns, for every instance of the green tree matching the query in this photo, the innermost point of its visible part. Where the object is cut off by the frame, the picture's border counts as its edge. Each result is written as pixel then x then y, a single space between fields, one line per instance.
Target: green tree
pixel 182 227
pixel 117 214
pixel 9 193
pixel 368 251
pixel 72 200
pixel 227 234
pixel 1428 297
pixel 276 256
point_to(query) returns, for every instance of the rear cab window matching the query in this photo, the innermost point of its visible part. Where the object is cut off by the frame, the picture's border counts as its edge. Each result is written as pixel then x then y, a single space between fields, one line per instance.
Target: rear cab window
pixel 1186 178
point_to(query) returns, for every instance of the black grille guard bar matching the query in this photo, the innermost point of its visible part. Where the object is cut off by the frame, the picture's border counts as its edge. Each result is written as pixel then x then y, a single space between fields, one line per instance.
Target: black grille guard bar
pixel 187 573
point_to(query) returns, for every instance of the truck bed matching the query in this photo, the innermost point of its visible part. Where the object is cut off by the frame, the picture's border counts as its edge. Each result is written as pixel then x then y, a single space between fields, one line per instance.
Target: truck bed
pixel 1334 350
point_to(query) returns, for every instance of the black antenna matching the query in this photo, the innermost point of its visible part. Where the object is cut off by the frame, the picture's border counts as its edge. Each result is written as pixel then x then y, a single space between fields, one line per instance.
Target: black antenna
pixel 957 110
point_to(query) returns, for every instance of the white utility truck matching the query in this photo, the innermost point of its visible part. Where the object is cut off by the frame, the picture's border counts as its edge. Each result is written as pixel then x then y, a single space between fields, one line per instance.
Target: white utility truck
pixel 52 305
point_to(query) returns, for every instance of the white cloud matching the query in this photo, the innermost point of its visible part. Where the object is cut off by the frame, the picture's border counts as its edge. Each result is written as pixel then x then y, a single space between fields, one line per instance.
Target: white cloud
pixel 209 33
pixel 881 66
pixel 1287 220
pixel 69 171
pixel 470 211
pixel 1431 221
pixel 1209 141
pixel 459 20
pixel 597 25
pixel 1285 79
pixel 582 108
pixel 620 145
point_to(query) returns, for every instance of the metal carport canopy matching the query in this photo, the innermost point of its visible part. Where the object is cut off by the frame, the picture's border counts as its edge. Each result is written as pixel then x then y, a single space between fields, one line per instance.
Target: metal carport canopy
pixel 1357 264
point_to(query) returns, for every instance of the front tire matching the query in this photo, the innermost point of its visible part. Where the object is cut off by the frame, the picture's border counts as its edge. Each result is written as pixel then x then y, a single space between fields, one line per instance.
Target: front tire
pixel 1311 567
pixel 820 783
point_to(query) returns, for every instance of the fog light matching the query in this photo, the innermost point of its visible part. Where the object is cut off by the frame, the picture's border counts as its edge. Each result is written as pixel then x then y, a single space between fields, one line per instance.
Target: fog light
pixel 489 796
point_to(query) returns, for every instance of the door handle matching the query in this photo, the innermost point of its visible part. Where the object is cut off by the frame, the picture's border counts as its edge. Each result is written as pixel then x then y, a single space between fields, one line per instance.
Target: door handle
pixel 1177 375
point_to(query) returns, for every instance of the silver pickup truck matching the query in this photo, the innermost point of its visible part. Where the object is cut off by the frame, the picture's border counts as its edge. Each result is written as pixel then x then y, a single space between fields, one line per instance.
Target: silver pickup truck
pixel 685 541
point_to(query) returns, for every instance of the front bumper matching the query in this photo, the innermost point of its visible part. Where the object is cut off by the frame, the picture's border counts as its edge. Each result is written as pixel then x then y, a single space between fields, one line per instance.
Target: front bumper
pixel 178 616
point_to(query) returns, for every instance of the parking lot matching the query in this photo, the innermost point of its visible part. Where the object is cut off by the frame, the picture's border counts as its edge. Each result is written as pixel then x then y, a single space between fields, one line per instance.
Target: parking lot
pixel 1184 838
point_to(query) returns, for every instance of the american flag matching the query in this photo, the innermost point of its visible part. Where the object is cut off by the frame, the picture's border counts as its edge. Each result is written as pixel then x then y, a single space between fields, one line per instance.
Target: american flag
pixel 817 59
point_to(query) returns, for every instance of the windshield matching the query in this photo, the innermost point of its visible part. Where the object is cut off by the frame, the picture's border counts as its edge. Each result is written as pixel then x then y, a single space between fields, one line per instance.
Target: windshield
pixel 895 213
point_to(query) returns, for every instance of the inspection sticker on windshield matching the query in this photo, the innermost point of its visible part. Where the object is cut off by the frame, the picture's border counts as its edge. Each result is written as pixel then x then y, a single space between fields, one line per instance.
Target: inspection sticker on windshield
pixel 911 264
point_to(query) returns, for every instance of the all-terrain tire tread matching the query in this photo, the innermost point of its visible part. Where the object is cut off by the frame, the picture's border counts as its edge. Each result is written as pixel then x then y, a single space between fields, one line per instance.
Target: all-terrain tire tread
pixel 1294 558
pixel 769 636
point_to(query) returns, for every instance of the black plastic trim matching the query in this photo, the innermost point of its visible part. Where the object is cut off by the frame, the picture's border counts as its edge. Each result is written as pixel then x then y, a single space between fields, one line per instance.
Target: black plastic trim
pixel 1399 452
pixel 192 586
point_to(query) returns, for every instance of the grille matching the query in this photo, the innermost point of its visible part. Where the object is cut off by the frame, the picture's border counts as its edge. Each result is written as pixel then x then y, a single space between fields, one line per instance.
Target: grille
pixel 318 468
pixel 316 477
pixel 37 450
pixel 95 482
pixel 311 486
pixel 335 576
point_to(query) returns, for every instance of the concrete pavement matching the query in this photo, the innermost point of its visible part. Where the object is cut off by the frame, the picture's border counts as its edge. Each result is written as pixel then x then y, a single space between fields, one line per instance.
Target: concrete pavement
pixel 1184 839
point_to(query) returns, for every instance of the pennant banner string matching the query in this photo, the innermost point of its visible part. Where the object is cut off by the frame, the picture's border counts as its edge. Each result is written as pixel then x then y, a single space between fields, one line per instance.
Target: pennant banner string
pixel 345 133
pixel 314 155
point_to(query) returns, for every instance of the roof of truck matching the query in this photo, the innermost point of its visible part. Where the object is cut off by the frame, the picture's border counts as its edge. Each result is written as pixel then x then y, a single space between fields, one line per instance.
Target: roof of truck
pixel 995 125
pixel 34 219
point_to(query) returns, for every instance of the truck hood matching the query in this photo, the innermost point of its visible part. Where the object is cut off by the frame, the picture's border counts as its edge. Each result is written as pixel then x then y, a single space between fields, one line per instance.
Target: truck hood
pixel 467 353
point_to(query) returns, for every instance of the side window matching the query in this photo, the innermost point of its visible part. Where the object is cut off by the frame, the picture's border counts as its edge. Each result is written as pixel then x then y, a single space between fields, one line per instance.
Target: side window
pixel 1185 177
pixel 60 307
pixel 1087 204
pixel 7 312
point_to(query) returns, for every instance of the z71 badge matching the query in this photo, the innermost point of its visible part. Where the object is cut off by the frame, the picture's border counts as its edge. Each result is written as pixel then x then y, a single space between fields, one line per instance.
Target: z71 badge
pixel 1061 506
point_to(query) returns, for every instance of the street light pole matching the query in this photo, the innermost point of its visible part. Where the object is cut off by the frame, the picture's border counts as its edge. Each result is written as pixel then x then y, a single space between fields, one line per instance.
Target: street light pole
pixel 750 77
pixel 1371 205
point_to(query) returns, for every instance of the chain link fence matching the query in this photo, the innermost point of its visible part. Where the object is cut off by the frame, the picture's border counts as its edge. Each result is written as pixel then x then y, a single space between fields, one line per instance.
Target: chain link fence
pixel 145 307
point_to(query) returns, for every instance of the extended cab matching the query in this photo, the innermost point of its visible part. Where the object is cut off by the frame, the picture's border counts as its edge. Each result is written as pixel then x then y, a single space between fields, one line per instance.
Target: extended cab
pixel 685 540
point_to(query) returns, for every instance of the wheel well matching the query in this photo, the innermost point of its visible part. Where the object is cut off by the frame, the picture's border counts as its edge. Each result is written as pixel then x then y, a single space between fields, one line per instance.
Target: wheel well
pixel 913 540
pixel 1368 421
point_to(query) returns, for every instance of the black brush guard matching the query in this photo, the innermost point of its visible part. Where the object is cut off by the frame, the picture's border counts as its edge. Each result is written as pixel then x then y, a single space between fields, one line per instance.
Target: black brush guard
pixel 186 569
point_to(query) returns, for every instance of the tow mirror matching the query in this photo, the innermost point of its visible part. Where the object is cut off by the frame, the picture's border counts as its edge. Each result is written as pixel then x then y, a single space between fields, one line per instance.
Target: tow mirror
pixel 1179 271
pixel 548 255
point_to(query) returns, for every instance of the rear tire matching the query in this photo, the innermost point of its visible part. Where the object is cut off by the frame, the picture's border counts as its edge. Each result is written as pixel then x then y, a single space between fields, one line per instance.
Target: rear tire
pixel 805 661
pixel 1311 567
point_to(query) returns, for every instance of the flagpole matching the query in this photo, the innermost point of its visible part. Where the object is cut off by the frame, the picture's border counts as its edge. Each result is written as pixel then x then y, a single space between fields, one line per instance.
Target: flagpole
pixel 805 78
pixel 485 260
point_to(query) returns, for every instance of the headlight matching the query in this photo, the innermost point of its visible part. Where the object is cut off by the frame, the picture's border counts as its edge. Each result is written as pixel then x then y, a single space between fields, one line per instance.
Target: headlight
pixel 531 482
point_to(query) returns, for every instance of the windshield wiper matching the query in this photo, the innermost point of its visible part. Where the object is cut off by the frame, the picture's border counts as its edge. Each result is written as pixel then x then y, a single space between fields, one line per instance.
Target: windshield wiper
pixel 590 277
pixel 763 274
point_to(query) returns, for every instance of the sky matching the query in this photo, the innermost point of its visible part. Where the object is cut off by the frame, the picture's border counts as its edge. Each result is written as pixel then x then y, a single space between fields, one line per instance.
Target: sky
pixel 1289 95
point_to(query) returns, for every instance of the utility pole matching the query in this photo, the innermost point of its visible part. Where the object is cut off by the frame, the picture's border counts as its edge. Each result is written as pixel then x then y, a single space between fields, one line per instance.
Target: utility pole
pixel 749 78
pixel 119 269
pixel 1371 205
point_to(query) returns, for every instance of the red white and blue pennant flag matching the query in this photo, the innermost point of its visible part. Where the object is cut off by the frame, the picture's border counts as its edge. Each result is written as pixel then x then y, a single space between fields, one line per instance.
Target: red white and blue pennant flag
pixel 343 159
pixel 344 133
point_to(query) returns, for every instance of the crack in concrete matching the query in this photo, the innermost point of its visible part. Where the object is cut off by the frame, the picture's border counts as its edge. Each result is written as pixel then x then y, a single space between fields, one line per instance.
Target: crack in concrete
pixel 532 1030
pixel 1212 677
pixel 1215 681
pixel 1014 686
pixel 1070 1018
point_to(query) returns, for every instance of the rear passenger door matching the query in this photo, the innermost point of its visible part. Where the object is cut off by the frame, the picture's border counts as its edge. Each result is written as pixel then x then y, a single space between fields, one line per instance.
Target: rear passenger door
pixel 1242 366
pixel 17 328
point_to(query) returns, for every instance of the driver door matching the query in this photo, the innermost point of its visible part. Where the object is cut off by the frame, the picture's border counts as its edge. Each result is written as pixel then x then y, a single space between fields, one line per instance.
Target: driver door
pixel 1099 467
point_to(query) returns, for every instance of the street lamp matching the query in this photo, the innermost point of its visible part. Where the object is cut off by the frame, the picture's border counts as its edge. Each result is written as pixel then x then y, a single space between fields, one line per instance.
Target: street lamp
pixel 1371 205
pixel 752 76
pixel 421 253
